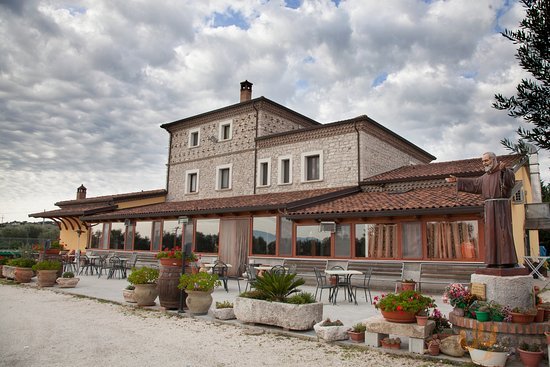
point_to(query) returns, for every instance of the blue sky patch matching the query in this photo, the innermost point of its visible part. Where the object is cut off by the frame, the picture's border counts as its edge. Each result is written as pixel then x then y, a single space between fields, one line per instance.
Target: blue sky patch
pixel 302 84
pixel 229 18
pixel 500 12
pixel 294 4
pixel 76 10
pixel 380 79
pixel 469 74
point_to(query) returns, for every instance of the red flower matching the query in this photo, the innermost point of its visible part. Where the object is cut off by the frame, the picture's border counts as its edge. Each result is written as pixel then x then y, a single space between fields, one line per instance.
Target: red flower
pixel 399 308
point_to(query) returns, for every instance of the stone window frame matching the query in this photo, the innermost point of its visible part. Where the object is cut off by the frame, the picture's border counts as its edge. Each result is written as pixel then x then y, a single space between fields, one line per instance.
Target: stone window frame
pixel 260 177
pixel 190 137
pixel 188 174
pixel 218 176
pixel 221 130
pixel 304 167
pixel 280 170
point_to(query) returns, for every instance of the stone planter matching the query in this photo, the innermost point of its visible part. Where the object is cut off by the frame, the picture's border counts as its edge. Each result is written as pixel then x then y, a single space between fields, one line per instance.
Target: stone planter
pixel 23 275
pixel 285 315
pixel 128 295
pixel 67 282
pixel 8 272
pixel 199 302
pixel 46 278
pixel 223 313
pixel 331 333
pixel 145 294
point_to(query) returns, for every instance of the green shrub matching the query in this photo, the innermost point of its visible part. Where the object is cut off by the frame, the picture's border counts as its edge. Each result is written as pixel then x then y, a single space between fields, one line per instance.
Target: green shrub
pixel 47 265
pixel 301 298
pixel 224 304
pixel 359 328
pixel 254 294
pixel 68 274
pixel 144 275
pixel 276 287
pixel 22 262
pixel 200 281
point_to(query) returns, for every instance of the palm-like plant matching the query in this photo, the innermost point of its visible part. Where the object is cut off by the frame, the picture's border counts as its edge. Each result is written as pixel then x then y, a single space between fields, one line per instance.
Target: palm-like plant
pixel 276 287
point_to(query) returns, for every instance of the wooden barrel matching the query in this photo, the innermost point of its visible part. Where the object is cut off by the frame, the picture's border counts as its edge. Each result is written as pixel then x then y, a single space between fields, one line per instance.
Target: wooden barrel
pixel 169 294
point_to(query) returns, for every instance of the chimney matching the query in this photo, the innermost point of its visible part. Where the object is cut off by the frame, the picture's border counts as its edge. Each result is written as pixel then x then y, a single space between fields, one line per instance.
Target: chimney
pixel 81 193
pixel 246 91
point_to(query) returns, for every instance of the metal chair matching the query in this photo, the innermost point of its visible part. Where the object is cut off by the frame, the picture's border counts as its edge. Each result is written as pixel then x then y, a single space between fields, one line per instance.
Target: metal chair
pixel 323 284
pixel 278 269
pixel 365 286
pixel 132 260
pixel 220 268
pixel 344 283
pixel 250 277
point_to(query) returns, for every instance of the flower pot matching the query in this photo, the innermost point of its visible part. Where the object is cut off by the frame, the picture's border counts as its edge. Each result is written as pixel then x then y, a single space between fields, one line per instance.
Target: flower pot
pixel 530 359
pixel 521 318
pixel 128 295
pixel 408 286
pixel 199 302
pixel 67 282
pixel 421 320
pixel 497 318
pixel 540 315
pixel 23 275
pixel 390 345
pixel 166 261
pixel 433 349
pixel 457 311
pixel 482 316
pixel 356 337
pixel 546 315
pixel 145 294
pixel 399 316
pixel 46 278
pixel 488 359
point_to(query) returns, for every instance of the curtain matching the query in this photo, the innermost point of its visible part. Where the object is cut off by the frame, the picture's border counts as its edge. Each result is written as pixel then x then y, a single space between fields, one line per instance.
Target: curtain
pixel 234 236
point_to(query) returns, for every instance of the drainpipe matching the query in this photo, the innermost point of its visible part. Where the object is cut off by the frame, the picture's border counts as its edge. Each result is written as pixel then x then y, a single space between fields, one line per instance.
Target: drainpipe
pixel 168 164
pixel 358 154
pixel 534 173
pixel 255 148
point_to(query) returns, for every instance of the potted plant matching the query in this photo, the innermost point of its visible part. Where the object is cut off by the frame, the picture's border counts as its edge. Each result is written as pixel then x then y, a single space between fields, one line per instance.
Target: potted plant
pixel 391 343
pixel 174 257
pixel 330 331
pixel 433 346
pixel 530 354
pixel 47 272
pixel 408 285
pixel 497 312
pixel 457 295
pixel 277 300
pixel 357 332
pixel 443 327
pixel 199 287
pixel 128 293
pixel 522 315
pixel 67 280
pixel 145 283
pixel 422 318
pixel 223 310
pixel 488 354
pixel 483 313
pixel 402 307
pixel 23 269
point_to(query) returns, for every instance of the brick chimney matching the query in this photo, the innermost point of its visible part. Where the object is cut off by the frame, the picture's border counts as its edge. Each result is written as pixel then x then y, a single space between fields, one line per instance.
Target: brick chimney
pixel 246 91
pixel 81 193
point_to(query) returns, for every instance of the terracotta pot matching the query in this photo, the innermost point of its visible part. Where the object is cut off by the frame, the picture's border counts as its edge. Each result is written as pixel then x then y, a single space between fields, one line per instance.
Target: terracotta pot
pixel 199 302
pixel 546 315
pixel 23 275
pixel 165 261
pixel 399 316
pixel 145 294
pixel 46 278
pixel 421 320
pixel 521 318
pixel 530 359
pixel 408 286
pixel 433 349
pixel 540 315
pixel 390 346
pixel 356 337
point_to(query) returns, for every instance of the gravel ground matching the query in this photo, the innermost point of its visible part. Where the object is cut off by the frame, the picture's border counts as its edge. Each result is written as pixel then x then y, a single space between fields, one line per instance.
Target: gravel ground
pixel 44 328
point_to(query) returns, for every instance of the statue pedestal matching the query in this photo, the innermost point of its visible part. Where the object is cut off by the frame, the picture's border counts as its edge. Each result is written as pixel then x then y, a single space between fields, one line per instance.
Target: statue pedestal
pixel 514 291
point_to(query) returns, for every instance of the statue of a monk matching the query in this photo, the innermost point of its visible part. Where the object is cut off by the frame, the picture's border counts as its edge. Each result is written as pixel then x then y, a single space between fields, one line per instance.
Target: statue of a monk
pixel 495 186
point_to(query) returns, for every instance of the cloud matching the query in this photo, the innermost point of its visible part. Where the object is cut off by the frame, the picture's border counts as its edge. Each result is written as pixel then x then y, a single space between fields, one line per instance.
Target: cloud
pixel 84 87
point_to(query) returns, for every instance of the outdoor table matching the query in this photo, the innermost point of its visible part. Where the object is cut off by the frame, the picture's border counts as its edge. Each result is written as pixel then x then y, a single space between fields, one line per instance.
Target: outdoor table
pixel 347 274
pixel 535 263
pixel 261 269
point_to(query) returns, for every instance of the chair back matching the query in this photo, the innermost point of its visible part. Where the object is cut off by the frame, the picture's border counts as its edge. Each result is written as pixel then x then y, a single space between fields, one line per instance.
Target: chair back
pixel 250 273
pixel 321 279
pixel 278 269
pixel 366 278
pixel 220 268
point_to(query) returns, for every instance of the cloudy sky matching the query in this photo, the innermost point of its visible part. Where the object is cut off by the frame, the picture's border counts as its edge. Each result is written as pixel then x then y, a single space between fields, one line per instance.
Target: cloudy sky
pixel 85 85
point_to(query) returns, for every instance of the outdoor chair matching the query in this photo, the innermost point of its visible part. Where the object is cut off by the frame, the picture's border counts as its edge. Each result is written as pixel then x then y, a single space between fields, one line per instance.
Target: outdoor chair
pixel 104 263
pixel 131 263
pixel 250 277
pixel 323 284
pixel 278 269
pixel 116 267
pixel 365 286
pixel 342 281
pixel 220 268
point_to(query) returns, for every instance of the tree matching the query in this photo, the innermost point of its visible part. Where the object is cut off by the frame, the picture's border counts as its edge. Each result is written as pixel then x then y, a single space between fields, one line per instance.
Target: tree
pixel 532 101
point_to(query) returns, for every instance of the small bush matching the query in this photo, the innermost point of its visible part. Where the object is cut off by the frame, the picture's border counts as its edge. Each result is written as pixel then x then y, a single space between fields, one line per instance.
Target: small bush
pixel 301 298
pixel 68 274
pixel 254 294
pixel 22 262
pixel 530 347
pixel 144 275
pixel 359 328
pixel 276 287
pixel 47 265
pixel 224 304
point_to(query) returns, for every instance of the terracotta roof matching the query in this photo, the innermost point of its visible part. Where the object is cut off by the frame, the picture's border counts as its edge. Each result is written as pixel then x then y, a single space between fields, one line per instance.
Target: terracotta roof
pixel 115 198
pixel 465 167
pixel 74 210
pixel 413 201
pixel 272 201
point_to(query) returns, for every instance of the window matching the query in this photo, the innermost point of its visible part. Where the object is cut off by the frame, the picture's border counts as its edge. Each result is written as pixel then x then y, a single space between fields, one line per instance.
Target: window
pixel 194 138
pixel 105 236
pixel 311 242
pixel 312 166
pixel 264 234
pixel 192 181
pixel 95 240
pixel 206 235
pixel 142 236
pixel 116 240
pixel 226 131
pixel 264 172
pixel 411 240
pixel 156 242
pixel 285 237
pixel 285 170
pixel 129 244
pixel 171 234
pixel 223 177
pixel 342 240
pixel 376 240
pixel 452 240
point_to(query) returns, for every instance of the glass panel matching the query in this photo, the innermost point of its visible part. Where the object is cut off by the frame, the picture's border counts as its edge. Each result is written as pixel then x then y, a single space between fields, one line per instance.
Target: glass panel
pixel 105 237
pixel 263 174
pixel 264 233
pixel 194 139
pixel 206 235
pixel 171 234
pixel 188 235
pixel 285 237
pixel 97 231
pixel 376 240
pixel 156 236
pixel 311 242
pixel 224 178
pixel 117 236
pixel 411 240
pixel 313 167
pixel 342 241
pixel 142 238
pixel 129 244
pixel 452 240
pixel 192 179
